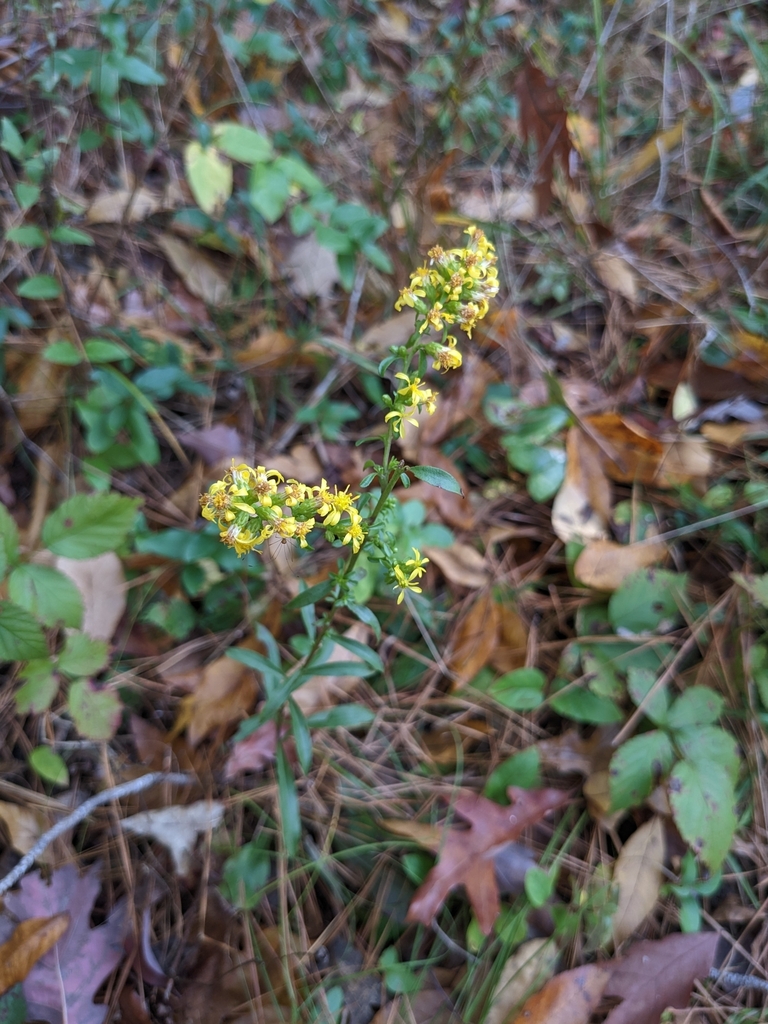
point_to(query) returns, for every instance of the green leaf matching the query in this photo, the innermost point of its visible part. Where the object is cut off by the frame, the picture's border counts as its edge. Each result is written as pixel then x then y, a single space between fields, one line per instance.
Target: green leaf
pixel 39 689
pixel 49 766
pixel 399 977
pixel 437 478
pixel 28 235
pixel 343 716
pixel 102 350
pixel 698 705
pixel 137 71
pixel 13 1005
pixel 245 875
pixel 71 236
pixel 365 615
pixel 600 673
pixel 241 143
pixel 258 662
pixel 21 638
pixel 755 586
pixel 538 886
pixel 47 594
pixel 41 286
pixel 690 914
pixel 582 705
pixel 9 540
pixel 710 743
pixel 83 656
pixel 338 668
pixel 703 805
pixel 269 191
pixel 369 656
pixel 10 139
pixel 648 601
pixel 302 220
pixel 301 736
pixel 26 195
pixel 63 353
pixel 522 770
pixel 95 712
pixel 288 799
pixel 209 176
pixel 640 681
pixel 310 596
pixel 520 690
pixel 89 524
pixel 636 768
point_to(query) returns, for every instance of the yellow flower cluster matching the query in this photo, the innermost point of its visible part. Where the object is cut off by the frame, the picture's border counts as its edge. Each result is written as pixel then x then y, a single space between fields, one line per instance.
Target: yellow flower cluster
pixel 455 288
pixel 407 576
pixel 409 400
pixel 253 503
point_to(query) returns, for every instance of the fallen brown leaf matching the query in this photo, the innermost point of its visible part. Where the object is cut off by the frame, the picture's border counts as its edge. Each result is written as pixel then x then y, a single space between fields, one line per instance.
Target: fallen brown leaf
pixel 200 274
pixel 530 966
pixel 636 457
pixel 569 998
pixel 24 825
pixel 474 639
pixel 657 975
pixel 582 506
pixel 604 564
pixel 466 856
pixel 101 583
pixel 617 275
pixel 543 119
pixel 226 694
pixel 461 564
pixel 31 940
pixel 109 207
pixel 638 875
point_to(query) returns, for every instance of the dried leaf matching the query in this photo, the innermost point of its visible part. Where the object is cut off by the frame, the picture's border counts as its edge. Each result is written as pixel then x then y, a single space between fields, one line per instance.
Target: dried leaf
pixel 636 457
pixel 474 639
pixel 569 998
pixel 511 205
pixel 109 207
pixel 604 564
pixel 312 269
pixel 427 1006
pixel 101 583
pixel 214 444
pixel 649 154
pixel 582 506
pixel 461 564
pixel 532 964
pixel 177 828
pixel 638 873
pixel 226 694
pixel 39 392
pixel 255 753
pixel 466 856
pixel 24 825
pixel 30 941
pixel 63 982
pixel 543 119
pixel 267 350
pixel 200 275
pixel 657 975
pixel 617 275
pixel 511 651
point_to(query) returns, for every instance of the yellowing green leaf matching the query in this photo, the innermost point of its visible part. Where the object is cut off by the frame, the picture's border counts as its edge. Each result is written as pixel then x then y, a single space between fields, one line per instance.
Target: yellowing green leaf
pixel 209 176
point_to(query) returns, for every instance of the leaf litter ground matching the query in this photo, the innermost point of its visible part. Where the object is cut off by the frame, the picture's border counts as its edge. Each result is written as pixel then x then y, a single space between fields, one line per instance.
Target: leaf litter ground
pixel 615 400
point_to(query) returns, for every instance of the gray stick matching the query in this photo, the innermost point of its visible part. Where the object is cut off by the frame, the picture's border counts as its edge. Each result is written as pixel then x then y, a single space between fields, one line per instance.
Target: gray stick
pixel 105 797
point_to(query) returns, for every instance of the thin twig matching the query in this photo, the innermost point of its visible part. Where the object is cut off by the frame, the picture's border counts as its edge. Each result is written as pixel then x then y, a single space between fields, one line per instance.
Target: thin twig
pixel 703 524
pixel 740 980
pixel 105 797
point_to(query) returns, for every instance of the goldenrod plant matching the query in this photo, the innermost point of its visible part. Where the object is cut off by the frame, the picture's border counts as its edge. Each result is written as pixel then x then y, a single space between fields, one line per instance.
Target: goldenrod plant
pixel 253 503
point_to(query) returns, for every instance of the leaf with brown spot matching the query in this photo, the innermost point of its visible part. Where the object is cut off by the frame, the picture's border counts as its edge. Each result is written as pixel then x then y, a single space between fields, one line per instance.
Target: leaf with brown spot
pixel 658 975
pixel 582 506
pixel 31 940
pixel 474 639
pixel 569 998
pixel 638 875
pixel 467 855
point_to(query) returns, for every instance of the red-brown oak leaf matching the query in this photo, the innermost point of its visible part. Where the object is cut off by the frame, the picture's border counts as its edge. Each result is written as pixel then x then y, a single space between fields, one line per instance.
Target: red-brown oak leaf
pixel 467 855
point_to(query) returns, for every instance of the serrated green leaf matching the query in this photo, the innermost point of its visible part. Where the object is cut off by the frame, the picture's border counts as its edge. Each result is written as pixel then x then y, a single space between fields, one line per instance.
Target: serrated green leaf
pixel 637 766
pixel 703 805
pixel 582 705
pixel 523 770
pixel 41 286
pixel 83 656
pixel 89 524
pixel 437 478
pixel 209 176
pixel 49 766
pixel 28 235
pixel 710 743
pixel 640 682
pixel 698 705
pixel 648 600
pixel 38 691
pixel 241 143
pixel 96 712
pixel 21 638
pixel 47 594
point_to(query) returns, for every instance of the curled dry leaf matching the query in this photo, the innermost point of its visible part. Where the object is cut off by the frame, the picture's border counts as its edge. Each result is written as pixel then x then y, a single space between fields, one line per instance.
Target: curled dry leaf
pixel 24 826
pixel 617 275
pixel 101 583
pixel 638 873
pixel 530 966
pixel 461 564
pixel 109 207
pixel 582 506
pixel 31 940
pixel 568 998
pixel 467 855
pixel 200 275
pixel 474 639
pixel 637 457
pixel 604 564
pixel 255 753
pixel 543 119
pixel 226 694
pixel 177 828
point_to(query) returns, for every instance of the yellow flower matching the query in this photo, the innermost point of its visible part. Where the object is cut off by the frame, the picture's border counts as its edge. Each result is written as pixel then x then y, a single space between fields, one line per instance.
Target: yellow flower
pixel 215 503
pixel 265 484
pixel 295 492
pixel 354 535
pixel 334 505
pixel 416 565
pixel 302 529
pixel 286 527
pixel 242 539
pixel 399 419
pixel 409 297
pixel 412 392
pixel 404 583
pixel 447 358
